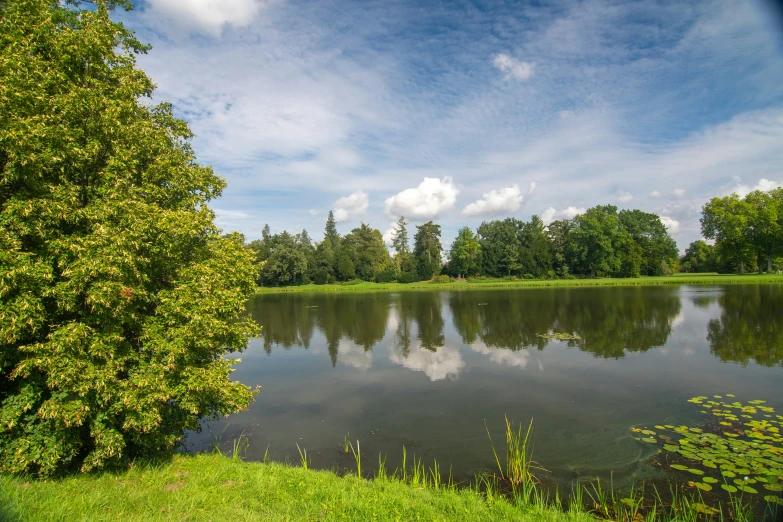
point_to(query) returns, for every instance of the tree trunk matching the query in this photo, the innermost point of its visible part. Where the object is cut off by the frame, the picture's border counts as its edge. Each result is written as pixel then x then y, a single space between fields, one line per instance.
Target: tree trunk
pixel 769 264
pixel 742 267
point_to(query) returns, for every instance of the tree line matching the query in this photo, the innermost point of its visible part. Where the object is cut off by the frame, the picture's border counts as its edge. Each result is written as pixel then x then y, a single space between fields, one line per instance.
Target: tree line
pixel 747 231
pixel 601 242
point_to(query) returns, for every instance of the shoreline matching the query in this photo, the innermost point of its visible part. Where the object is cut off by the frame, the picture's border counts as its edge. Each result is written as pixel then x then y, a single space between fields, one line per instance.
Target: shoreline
pixel 688 279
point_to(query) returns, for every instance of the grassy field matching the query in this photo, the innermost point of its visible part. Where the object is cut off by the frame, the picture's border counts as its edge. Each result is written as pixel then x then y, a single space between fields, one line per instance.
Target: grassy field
pixel 213 487
pixel 679 279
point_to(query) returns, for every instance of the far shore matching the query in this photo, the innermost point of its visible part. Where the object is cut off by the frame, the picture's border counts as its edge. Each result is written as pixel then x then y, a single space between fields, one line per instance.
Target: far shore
pixel 478 284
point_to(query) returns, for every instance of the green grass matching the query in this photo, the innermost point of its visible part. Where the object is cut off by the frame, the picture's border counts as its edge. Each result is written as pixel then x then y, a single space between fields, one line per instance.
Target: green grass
pixel 678 279
pixel 214 487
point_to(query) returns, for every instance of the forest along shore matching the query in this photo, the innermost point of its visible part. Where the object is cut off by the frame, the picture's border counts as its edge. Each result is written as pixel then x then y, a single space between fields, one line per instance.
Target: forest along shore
pixel 484 283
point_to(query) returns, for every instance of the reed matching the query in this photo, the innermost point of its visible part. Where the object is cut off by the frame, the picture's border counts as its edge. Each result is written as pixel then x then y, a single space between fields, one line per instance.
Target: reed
pixel 303 457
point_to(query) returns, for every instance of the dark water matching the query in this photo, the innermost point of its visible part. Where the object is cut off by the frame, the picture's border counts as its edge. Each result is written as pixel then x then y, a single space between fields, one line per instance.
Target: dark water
pixel 427 369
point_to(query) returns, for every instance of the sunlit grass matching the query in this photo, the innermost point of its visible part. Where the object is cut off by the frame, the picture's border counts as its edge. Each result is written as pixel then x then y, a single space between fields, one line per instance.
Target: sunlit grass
pixel 678 279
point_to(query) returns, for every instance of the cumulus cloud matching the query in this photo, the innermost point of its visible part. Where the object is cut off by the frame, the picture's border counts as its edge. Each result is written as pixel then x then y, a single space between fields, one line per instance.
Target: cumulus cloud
pixel 206 17
pixel 505 200
pixel 446 362
pixel 431 198
pixel 624 197
pixel 532 188
pixel 389 234
pixel 351 206
pixel 505 357
pixel 516 69
pixel 765 185
pixel 655 194
pixel 354 355
pixel 672 225
pixel 551 214
pixel 313 212
pixel 678 193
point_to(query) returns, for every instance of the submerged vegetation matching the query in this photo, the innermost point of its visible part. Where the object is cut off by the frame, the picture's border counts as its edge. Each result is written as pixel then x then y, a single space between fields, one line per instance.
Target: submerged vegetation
pixel 739 450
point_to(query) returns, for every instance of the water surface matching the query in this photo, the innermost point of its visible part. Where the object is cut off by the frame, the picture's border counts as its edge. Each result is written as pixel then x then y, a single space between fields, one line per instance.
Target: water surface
pixel 427 369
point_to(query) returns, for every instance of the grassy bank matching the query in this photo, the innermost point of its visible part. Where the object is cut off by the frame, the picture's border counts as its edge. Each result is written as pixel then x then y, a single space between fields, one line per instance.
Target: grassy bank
pixel 679 279
pixel 213 487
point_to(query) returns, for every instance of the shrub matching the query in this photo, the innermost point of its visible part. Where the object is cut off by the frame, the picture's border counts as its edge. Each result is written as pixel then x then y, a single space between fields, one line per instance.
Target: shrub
pixel 119 296
pixel 528 276
pixel 408 277
pixel 386 276
pixel 441 279
pixel 353 282
pixel 321 276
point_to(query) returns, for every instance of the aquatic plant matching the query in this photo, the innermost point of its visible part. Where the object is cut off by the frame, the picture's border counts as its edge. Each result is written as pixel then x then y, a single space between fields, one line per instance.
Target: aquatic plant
pixel 518 471
pixel 560 336
pixel 739 450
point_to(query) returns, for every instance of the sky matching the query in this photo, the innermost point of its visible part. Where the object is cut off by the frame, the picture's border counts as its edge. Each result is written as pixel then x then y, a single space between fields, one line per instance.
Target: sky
pixel 463 112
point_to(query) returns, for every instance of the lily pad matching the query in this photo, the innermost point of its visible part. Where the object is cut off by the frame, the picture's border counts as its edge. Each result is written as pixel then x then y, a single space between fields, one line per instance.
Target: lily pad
pixel 649 440
pixel 747 489
pixel 704 487
pixel 679 467
pixel 695 471
pixel 704 509
pixel 729 488
pixel 774 487
pixel 710 480
pixel 774 500
pixel 671 447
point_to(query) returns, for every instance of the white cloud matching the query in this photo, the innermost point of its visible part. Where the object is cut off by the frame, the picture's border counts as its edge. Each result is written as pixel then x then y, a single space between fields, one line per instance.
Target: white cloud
pixel 513 68
pixel 765 185
pixel 678 193
pixel 672 225
pixel 550 214
pixel 624 197
pixel 503 356
pixel 313 212
pixel 351 206
pixel 532 188
pixel 354 355
pixel 431 198
pixel 206 17
pixel 655 194
pixel 389 234
pixel 506 200
pixel 445 362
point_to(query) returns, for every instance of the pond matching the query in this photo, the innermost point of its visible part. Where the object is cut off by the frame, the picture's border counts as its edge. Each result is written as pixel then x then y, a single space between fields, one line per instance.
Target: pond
pixel 428 369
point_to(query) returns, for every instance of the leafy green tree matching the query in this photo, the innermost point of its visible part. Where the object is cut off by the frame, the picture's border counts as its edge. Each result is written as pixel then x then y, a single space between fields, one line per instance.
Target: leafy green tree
pixel 119 296
pixel 465 254
pixel 427 249
pixel 346 270
pixel 699 257
pixel 593 241
pixel 559 237
pixel 727 220
pixel 305 246
pixel 370 255
pixel 536 252
pixel 766 224
pixel 499 241
pixel 650 234
pixel 287 262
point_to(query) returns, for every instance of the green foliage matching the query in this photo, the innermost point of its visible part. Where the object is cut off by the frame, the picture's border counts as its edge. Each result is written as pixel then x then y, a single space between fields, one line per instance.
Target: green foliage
pixel 119 296
pixel 427 250
pixel 400 238
pixel 727 220
pixel 699 257
pixel 465 254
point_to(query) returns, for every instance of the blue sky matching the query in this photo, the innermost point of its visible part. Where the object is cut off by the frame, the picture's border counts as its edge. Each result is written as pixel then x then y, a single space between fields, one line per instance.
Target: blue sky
pixel 462 112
